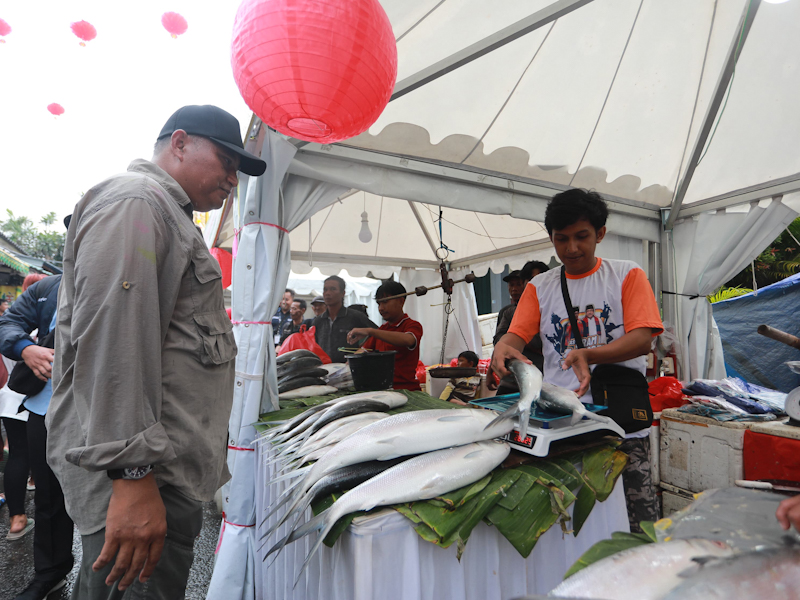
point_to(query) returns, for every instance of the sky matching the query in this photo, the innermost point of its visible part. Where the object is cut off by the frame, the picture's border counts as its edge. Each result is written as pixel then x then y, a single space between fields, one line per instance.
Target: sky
pixel 117 91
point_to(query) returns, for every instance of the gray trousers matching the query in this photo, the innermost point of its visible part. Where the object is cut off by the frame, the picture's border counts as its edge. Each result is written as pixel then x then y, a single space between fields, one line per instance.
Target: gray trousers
pixel 168 581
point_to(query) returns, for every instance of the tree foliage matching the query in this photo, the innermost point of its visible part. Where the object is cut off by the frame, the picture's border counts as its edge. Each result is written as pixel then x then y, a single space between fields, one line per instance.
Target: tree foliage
pixel 40 243
pixel 780 260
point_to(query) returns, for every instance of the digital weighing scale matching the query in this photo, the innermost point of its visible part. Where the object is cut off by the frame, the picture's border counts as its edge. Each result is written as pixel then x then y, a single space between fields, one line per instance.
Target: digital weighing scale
pixel 546 427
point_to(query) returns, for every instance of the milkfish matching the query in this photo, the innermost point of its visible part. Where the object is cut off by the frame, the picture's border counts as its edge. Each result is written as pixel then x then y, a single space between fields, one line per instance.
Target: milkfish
pixel 319 373
pixel 566 402
pixel 294 355
pixel 379 401
pixel 772 574
pixel 308 392
pixel 641 573
pixel 353 424
pixel 403 434
pixel 420 478
pixel 298 365
pixel 529 380
pixel 297 383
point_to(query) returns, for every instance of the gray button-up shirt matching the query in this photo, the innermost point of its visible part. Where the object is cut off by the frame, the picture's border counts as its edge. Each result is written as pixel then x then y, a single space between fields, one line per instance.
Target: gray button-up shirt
pixel 144 367
pixel 332 335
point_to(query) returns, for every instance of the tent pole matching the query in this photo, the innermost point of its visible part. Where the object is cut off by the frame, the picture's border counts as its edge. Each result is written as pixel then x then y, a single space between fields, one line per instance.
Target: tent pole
pixel 425 231
pixel 735 50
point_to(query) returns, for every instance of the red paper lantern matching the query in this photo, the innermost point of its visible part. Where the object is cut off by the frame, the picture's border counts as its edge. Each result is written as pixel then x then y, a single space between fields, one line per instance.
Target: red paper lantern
pixel 174 23
pixel 55 109
pixel 318 70
pixel 5 29
pixel 84 30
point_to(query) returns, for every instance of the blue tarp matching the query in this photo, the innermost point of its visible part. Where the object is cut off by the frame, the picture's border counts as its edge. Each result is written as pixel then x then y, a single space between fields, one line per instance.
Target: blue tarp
pixel 753 357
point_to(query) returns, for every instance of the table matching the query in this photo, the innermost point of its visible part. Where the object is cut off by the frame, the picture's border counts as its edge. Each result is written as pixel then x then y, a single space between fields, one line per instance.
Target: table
pixel 380 556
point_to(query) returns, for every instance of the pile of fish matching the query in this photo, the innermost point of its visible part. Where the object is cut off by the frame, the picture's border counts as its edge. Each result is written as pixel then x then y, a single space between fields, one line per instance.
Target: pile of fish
pixel 691 569
pixel 301 374
pixel 340 376
pixel 550 397
pixel 351 444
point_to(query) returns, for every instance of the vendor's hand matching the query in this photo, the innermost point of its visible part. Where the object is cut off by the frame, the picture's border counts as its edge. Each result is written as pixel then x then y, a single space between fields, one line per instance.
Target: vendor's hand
pixel 40 360
pixel 357 334
pixel 789 512
pixel 136 525
pixel 577 360
pixel 502 353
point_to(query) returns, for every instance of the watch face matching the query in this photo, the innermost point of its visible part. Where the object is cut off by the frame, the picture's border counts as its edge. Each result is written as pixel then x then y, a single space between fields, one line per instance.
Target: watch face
pixel 136 472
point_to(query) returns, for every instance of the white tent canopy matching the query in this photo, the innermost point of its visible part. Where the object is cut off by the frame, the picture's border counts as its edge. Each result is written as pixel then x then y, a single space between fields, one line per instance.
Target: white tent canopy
pixel 498 107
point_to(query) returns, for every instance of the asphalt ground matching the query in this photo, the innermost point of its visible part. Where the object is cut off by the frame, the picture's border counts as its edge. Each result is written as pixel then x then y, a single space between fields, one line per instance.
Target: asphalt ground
pixel 16 558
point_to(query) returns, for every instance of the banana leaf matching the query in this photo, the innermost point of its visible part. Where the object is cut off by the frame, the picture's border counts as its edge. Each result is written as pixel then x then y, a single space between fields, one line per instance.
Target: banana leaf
pixel 619 541
pixel 525 524
pixel 601 467
pixel 584 503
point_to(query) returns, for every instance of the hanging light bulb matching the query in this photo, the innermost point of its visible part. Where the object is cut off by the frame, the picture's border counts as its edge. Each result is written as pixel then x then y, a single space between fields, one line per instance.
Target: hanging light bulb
pixel 365 235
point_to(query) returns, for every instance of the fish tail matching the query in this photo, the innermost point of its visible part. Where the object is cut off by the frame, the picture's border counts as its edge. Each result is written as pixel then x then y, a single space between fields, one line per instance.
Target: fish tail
pixel 595 417
pixel 511 413
pixel 325 524
pixel 275 507
pixel 577 417
pixel 290 474
pixel 524 419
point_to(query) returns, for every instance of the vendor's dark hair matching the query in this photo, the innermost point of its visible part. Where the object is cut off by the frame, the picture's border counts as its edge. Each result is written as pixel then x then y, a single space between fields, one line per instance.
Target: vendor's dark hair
pixel 470 356
pixel 339 280
pixel 532 265
pixel 569 207
pixel 389 288
pixel 301 302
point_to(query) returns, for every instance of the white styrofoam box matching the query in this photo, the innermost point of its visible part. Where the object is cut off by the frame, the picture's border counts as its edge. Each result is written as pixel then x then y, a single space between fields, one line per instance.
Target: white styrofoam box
pixel 672 503
pixel 698 453
pixel 486 351
pixel 487 325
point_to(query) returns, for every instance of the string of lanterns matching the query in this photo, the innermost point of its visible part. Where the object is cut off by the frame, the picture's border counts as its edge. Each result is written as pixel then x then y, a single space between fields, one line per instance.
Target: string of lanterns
pixel 174 23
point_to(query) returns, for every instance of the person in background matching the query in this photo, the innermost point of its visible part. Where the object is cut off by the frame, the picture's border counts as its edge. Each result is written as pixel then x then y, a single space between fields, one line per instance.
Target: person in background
pixel 400 333
pixel 575 221
pixel 3 305
pixel 35 309
pixel 533 350
pixel 283 314
pixel 461 390
pixel 297 311
pixel 333 325
pixel 318 305
pixel 17 466
pixel 515 288
pixel 144 370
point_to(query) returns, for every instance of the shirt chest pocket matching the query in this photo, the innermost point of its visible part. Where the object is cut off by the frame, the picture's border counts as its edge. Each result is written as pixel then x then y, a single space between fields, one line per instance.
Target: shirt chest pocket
pixel 213 325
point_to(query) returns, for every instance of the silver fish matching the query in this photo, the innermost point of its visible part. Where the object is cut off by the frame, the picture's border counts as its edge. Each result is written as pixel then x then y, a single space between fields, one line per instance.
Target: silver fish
pixel 298 365
pixel 772 574
pixel 566 402
pixel 294 355
pixel 641 573
pixel 421 478
pixel 308 392
pixel 529 379
pixel 297 383
pixel 403 434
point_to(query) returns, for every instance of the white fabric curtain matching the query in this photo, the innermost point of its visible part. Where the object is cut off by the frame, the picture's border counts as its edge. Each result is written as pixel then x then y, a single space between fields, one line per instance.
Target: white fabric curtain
pixel 708 251
pixel 463 332
pixel 272 205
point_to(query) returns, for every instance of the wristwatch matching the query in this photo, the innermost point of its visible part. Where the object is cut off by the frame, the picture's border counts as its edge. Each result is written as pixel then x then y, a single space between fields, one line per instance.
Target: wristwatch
pixel 129 472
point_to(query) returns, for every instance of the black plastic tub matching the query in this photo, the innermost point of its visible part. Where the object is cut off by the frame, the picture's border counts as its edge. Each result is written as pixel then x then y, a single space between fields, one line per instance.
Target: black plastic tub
pixel 372 370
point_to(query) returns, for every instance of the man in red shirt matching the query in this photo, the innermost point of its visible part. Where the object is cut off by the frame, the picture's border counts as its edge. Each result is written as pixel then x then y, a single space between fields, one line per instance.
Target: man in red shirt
pixel 399 333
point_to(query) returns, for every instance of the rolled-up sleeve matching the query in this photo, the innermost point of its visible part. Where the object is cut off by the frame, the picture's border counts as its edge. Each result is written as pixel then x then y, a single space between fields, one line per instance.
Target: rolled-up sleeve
pixel 126 275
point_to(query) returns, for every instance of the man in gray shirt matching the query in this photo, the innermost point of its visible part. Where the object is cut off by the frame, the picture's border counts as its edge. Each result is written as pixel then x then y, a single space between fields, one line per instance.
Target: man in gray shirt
pixel 332 326
pixel 144 369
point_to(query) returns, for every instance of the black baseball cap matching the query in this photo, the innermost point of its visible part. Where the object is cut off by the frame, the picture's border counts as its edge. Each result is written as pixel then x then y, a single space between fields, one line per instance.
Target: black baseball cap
pixel 217 125
pixel 513 275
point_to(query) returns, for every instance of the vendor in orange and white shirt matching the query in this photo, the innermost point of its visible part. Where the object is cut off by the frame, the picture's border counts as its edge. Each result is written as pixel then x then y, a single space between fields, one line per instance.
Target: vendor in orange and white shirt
pixel 617 318
pixel 400 333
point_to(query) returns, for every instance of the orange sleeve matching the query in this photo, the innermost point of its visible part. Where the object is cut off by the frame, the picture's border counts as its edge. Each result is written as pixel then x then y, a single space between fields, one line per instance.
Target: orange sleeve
pixel 526 319
pixel 639 306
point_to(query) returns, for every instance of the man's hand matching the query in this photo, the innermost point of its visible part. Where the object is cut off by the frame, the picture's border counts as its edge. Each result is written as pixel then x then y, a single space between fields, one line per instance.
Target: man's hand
pixel 39 360
pixel 789 512
pixel 503 352
pixel 136 525
pixel 357 334
pixel 577 360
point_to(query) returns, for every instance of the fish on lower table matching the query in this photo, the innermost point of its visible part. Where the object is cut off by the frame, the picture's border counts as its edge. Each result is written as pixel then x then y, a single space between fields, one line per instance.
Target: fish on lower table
pixel 308 392
pixel 299 382
pixel 296 366
pixel 294 355
pixel 642 573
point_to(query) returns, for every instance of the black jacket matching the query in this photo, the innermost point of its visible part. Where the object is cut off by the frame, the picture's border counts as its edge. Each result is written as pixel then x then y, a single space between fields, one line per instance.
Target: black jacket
pixel 34 309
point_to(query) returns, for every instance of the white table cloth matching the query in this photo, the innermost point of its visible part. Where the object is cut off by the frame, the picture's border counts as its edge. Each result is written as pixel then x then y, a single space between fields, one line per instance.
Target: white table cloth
pixel 380 556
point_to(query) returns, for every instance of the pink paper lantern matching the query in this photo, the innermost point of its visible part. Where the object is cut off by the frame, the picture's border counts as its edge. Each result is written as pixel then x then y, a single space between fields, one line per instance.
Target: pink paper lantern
pixel 318 70
pixel 174 23
pixel 55 109
pixel 5 29
pixel 84 30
